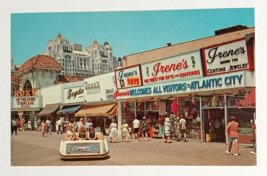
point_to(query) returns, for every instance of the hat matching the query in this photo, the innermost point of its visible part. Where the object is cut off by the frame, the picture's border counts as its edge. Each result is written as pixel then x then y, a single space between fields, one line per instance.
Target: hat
pixel 144 117
pixel 166 113
pixel 167 120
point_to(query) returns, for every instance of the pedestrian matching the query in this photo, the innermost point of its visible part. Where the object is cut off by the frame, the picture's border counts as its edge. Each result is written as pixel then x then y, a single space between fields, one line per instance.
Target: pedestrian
pixel 14 126
pixel 88 124
pixel 167 130
pixel 182 127
pixel 91 133
pixel 74 129
pixel 58 126
pixel 159 122
pixel 136 125
pixel 143 128
pixel 125 131
pixel 38 124
pixel 48 127
pixel 43 127
pixel 217 128
pixel 66 124
pixel 35 124
pixel 232 130
pixel 19 124
pixel 69 136
pixel 101 124
pixel 22 124
pixel 254 135
pixel 113 129
pixel 30 125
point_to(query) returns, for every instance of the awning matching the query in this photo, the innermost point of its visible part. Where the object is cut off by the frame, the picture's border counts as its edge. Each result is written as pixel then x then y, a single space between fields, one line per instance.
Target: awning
pixel 250 101
pixel 98 110
pixel 69 109
pixel 48 109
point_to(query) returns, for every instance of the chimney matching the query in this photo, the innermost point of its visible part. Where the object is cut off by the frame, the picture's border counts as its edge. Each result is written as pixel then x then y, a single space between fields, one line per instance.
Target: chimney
pixel 169 44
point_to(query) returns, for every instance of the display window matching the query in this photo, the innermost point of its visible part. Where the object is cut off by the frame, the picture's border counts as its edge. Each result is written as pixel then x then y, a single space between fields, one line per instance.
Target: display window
pixel 128 112
pixel 190 110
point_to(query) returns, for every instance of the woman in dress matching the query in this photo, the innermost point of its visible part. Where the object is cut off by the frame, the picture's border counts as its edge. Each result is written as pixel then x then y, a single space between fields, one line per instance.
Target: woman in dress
pixel 167 130
pixel 29 125
pixel 125 131
pixel 91 134
pixel 43 127
pixel 81 135
pixel 113 129
pixel 69 136
pixel 144 128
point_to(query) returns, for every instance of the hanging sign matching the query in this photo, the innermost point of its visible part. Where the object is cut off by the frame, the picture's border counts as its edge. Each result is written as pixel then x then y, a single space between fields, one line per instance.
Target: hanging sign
pixel 226 58
pixel 175 68
pixel 128 77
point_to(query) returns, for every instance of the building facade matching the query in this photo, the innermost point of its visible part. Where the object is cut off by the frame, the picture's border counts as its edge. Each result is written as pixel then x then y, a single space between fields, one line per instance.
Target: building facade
pixel 95 60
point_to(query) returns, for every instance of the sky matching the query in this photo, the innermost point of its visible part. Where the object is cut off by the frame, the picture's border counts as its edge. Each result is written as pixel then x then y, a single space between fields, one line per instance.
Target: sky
pixel 127 32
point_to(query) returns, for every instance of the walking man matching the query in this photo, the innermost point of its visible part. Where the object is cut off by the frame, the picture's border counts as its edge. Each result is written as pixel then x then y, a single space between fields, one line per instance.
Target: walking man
pixel 48 127
pixel 182 126
pixel 58 126
pixel 232 130
pixel 136 125
pixel 14 126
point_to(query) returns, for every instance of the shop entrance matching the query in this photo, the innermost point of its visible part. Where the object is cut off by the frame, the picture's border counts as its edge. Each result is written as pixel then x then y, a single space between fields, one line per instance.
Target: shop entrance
pixel 214 125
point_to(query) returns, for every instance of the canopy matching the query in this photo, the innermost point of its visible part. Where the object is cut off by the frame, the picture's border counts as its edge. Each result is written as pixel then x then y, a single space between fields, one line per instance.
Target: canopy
pixel 48 109
pixel 98 110
pixel 250 101
pixel 69 109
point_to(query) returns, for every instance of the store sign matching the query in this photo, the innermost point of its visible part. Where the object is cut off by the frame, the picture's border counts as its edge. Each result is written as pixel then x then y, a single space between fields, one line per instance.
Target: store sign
pixel 190 86
pixel 90 86
pixel 72 95
pixel 109 93
pixel 128 77
pixel 226 58
pixel 25 102
pixel 175 68
pixel 23 93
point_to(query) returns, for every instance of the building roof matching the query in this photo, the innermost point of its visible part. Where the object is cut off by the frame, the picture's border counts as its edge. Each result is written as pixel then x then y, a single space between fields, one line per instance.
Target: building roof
pixel 59 38
pixel 67 79
pixel 40 61
pixel 167 51
pixel 95 44
pixel 14 80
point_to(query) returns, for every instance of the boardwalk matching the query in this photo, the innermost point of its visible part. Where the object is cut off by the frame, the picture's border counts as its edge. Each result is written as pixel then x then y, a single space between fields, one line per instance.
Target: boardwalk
pixel 31 149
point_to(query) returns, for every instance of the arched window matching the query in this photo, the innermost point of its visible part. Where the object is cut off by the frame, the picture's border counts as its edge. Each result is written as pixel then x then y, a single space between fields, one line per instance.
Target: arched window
pixel 28 86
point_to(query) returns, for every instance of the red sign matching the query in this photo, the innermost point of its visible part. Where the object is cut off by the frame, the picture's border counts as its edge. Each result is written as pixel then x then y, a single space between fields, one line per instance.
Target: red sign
pixel 120 94
pixel 23 93
pixel 20 112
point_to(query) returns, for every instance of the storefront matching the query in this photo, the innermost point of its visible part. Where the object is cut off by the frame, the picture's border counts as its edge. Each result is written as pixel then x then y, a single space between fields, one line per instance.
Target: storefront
pixel 25 104
pixel 203 85
pixel 98 104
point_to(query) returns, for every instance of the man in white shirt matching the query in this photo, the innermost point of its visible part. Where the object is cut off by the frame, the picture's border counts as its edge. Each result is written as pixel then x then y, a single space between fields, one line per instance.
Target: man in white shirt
pixel 136 125
pixel 59 126
pixel 182 126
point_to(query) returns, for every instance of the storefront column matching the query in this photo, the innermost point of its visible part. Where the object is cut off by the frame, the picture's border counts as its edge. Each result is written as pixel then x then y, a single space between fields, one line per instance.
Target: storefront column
pixel 201 120
pixel 119 117
pixel 225 119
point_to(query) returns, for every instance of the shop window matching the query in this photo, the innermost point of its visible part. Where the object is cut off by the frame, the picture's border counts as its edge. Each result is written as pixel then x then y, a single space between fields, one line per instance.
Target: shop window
pixel 151 106
pixel 128 112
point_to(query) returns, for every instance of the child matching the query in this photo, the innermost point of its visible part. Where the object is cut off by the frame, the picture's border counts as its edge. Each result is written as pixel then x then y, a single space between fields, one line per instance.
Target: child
pixel 81 133
pixel 69 136
pixel 91 134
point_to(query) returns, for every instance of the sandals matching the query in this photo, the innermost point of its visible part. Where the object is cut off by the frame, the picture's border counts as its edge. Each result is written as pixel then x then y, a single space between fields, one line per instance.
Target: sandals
pixel 165 142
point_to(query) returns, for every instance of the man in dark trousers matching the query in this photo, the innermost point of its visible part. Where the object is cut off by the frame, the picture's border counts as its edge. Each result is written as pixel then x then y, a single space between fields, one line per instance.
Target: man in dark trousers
pixel 14 126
